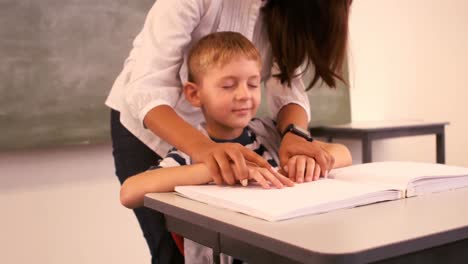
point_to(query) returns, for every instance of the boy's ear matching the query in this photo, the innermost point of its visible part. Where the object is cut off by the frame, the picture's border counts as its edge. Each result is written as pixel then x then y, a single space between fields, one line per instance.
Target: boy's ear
pixel 192 93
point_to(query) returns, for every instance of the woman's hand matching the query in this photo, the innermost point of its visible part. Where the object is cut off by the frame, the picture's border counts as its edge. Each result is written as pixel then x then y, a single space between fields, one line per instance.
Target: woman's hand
pixel 301 158
pixel 227 162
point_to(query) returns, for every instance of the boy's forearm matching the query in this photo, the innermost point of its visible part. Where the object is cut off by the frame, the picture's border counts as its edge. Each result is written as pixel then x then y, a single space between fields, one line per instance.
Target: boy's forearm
pixel 134 188
pixel 168 125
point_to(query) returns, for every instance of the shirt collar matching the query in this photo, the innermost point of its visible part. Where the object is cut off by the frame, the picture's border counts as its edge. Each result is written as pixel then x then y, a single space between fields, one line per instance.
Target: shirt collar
pixel 243 139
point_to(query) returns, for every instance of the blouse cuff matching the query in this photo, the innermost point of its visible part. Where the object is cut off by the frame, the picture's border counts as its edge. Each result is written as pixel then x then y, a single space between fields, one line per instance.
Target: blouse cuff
pixel 284 101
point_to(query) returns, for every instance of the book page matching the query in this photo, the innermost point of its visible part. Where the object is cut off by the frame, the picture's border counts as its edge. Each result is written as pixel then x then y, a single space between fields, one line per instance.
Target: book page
pixel 276 204
pixel 396 173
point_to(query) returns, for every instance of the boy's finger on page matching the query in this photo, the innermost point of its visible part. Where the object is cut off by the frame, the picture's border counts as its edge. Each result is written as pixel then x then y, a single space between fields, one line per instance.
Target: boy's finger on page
pixel 255 174
pixel 284 180
pixel 225 168
pixel 309 175
pixel 292 168
pixel 300 168
pixel 272 178
pixel 317 171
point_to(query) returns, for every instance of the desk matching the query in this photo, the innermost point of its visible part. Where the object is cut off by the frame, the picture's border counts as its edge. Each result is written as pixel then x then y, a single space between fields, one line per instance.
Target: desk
pixel 369 131
pixel 403 230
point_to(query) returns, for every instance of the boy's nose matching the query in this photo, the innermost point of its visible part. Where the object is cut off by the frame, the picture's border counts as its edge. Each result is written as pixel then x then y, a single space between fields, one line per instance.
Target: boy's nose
pixel 242 92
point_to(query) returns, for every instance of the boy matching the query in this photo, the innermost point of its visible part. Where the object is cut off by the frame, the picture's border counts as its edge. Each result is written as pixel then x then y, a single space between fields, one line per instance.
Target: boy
pixel 224 81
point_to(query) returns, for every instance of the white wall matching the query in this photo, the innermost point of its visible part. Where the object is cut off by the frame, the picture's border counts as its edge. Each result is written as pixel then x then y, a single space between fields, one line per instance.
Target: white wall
pixel 409 60
pixel 62 206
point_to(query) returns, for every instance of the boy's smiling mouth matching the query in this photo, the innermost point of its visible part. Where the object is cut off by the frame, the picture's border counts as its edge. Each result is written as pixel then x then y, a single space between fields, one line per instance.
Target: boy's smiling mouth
pixel 243 110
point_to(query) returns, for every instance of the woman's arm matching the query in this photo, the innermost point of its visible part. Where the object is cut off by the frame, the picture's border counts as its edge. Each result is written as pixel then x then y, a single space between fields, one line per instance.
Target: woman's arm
pixel 340 153
pixel 293 145
pixel 169 126
pixel 290 105
pixel 134 188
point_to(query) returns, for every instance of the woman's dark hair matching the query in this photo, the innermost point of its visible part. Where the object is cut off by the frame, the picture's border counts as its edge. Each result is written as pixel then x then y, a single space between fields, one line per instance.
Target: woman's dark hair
pixel 311 31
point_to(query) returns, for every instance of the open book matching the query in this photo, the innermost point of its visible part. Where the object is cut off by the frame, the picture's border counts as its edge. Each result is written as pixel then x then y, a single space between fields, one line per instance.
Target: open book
pixel 345 188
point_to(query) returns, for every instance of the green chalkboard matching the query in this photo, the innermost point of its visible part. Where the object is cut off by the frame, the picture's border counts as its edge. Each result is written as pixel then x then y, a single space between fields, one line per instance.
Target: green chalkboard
pixel 59 59
pixel 327 105
pixel 330 106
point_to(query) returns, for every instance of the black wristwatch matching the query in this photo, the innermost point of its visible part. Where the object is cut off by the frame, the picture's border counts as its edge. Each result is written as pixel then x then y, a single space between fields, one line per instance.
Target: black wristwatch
pixel 297 131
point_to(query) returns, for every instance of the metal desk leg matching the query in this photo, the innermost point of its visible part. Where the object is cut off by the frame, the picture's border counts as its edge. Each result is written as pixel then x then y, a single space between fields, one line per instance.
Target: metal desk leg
pixel 216 257
pixel 366 149
pixel 440 147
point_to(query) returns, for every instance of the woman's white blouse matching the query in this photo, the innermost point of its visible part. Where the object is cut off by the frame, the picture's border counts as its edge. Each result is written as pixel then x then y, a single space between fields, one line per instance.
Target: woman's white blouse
pixel 155 70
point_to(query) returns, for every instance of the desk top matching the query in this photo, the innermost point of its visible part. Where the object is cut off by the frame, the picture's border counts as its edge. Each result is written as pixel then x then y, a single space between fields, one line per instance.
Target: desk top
pixel 381 125
pixel 362 234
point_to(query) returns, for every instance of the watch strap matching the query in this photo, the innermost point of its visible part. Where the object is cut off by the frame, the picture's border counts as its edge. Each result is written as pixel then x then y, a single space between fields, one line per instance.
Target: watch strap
pixel 297 131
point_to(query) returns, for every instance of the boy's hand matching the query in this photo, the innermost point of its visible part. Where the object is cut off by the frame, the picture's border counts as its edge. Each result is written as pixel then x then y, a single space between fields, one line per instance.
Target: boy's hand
pixel 227 161
pixel 264 177
pixel 292 145
pixel 301 168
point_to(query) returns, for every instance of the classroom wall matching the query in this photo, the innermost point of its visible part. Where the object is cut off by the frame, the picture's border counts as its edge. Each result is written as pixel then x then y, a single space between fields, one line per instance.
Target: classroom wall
pixel 61 205
pixel 408 61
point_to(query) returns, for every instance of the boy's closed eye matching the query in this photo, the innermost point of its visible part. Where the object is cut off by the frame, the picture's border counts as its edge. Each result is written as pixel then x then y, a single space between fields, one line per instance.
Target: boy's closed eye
pixel 253 85
pixel 227 84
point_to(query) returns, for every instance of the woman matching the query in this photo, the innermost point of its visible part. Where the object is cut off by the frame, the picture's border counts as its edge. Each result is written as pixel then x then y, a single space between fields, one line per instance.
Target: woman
pixel 149 114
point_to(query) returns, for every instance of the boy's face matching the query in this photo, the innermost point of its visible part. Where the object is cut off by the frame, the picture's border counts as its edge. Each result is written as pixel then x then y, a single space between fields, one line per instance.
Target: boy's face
pixel 230 95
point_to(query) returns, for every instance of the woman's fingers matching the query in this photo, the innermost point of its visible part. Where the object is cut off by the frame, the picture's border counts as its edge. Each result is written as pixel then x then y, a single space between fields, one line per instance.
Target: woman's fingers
pixel 239 166
pixel 322 160
pixel 225 168
pixel 331 164
pixel 251 156
pixel 213 167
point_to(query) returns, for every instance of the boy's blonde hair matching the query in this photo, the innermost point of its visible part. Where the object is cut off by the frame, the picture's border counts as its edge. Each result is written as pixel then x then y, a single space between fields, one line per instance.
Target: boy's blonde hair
pixel 217 49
